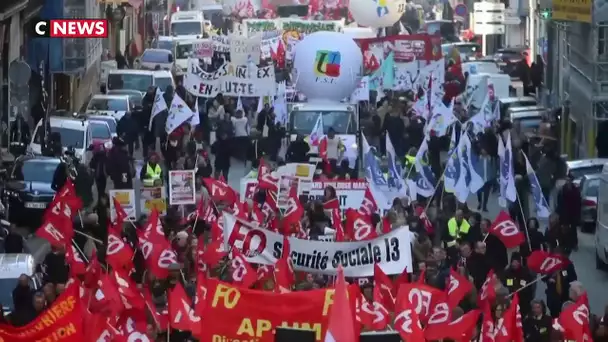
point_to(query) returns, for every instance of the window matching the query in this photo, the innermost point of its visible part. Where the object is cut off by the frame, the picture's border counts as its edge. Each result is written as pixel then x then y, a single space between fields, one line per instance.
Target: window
pixel 303 122
pixel 187 28
pixel 110 121
pixel 164 45
pixel 579 172
pixel 100 131
pixel 139 82
pixel 163 82
pixel 602 44
pixel 34 171
pixel 69 137
pixel 155 56
pixel 592 189
pixel 108 104
pixel 183 51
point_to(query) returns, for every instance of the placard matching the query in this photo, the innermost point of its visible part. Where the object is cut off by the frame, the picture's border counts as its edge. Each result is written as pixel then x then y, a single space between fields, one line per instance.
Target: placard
pixel 230 80
pixel 286 185
pixel 245 50
pixel 126 199
pixel 182 187
pixel 153 197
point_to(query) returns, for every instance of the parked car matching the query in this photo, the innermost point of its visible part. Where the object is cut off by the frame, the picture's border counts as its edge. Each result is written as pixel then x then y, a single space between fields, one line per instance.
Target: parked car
pixel 589 186
pixel 507 58
pixel 582 167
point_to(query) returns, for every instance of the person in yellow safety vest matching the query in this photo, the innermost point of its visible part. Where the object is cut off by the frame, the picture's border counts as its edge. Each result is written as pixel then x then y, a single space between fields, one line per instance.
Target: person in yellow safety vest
pixel 410 161
pixel 152 174
pixel 458 229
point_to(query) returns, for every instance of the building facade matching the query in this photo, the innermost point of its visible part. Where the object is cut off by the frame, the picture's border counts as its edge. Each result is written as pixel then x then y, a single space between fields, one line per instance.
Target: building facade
pixel 577 71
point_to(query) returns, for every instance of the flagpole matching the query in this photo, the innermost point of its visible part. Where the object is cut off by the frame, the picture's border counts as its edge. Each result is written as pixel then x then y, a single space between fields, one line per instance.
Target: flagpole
pixel 528 285
pixel 521 210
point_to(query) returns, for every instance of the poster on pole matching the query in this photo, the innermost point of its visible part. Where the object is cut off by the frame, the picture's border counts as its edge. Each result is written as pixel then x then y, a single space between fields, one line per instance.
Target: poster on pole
pixel 126 199
pixel 182 187
pixel 151 198
pixel 286 185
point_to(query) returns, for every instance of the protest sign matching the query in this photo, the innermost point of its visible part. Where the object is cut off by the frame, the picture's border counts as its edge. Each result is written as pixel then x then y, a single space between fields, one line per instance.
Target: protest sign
pixel 390 251
pixel 350 192
pixel 203 49
pixel 126 199
pixel 286 184
pixel 362 91
pixel 304 172
pixel 153 198
pixel 61 322
pixel 182 187
pixel 253 26
pixel 268 45
pixel 220 44
pixel 240 314
pixel 299 28
pixel 230 80
pixel 245 50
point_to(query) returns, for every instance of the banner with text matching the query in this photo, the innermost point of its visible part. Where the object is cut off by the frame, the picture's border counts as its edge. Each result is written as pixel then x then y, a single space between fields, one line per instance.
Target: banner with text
pixel 391 251
pixel 240 314
pixel 60 322
pixel 230 80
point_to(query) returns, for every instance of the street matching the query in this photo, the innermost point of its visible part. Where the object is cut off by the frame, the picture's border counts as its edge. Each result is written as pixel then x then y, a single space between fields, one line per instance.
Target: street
pixel 583 259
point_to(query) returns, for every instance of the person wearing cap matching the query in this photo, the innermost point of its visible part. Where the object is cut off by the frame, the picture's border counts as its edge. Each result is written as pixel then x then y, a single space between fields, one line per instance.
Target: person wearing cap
pixel 516 278
pixel 152 174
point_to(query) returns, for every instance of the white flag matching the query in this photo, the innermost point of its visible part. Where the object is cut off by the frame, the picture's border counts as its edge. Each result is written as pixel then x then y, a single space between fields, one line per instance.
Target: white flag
pixel 195 120
pixel 158 106
pixel 178 114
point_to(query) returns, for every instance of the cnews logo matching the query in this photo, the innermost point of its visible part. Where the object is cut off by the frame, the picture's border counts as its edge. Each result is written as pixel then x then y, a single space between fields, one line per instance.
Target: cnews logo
pixel 71 28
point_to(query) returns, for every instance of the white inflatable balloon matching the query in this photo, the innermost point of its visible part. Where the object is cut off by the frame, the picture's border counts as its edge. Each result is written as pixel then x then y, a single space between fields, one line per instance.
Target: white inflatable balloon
pixel 377 13
pixel 327 66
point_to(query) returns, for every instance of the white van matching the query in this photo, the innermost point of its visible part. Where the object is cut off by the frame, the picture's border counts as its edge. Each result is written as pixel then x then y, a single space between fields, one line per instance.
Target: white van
pixel 74 132
pixel 188 24
pixel 12 266
pixel 139 80
pixel 163 79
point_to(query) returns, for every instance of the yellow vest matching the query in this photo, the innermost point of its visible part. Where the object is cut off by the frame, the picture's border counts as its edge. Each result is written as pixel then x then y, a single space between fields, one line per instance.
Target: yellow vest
pixel 152 174
pixel 456 231
pixel 410 161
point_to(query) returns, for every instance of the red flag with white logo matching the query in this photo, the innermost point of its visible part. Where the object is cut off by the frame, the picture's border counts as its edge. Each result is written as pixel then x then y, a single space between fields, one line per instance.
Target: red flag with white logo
pixel 119 255
pixel 293 211
pixel 458 287
pixel 574 319
pixel 546 263
pixel 460 329
pixel 407 321
pixel 181 314
pixel 241 272
pixel 220 191
pixel 359 226
pixel 283 270
pixel 368 205
pixel 507 231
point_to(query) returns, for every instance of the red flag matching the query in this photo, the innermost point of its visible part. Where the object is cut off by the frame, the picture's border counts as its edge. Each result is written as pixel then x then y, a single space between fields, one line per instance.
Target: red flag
pixel 574 319
pixel 242 273
pixel 385 287
pixel 460 329
pixel 323 148
pixel 488 291
pixel 336 219
pixel 374 315
pixel 118 253
pixel 181 314
pixel 458 287
pixel 77 266
pixel 511 328
pixel 331 204
pixel 51 233
pixel 368 205
pixel 407 321
pixel 220 191
pixel 359 227
pixel 121 214
pixel 294 211
pixel 506 230
pixel 265 179
pixel 421 296
pixel 546 263
pixel 341 325
pixel 487 333
pixel 283 270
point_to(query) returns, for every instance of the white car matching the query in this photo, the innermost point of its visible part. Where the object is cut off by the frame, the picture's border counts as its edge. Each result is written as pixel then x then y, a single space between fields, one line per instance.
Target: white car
pixel 114 105
pixel 163 79
pixel 155 59
pixel 74 132
pixel 109 120
pixel 128 79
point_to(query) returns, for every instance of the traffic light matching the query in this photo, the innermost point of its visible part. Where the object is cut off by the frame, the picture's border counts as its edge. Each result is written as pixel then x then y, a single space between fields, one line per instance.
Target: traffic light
pixel 545 14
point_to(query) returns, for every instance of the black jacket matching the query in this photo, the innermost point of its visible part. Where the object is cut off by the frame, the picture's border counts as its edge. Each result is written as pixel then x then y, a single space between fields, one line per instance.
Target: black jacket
pixel 59 177
pixel 537 329
pixel 118 165
pixel 127 128
pixel 55 268
pixel 221 150
pixel 514 280
pixel 478 267
pixel 297 152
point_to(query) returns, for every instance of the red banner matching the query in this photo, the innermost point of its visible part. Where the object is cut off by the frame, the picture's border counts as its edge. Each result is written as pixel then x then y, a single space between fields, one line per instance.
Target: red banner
pixel 238 314
pixel 406 48
pixel 62 322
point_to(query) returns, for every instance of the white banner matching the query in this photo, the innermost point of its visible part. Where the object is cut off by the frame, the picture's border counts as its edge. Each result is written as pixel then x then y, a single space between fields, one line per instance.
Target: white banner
pixel 268 45
pixel 350 192
pixel 244 50
pixel 392 251
pixel 362 91
pixel 230 80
